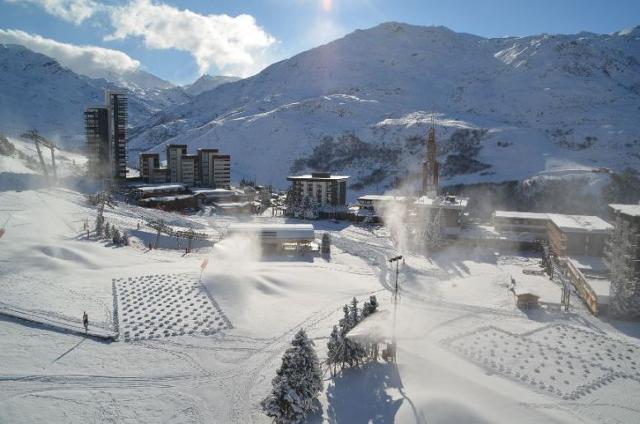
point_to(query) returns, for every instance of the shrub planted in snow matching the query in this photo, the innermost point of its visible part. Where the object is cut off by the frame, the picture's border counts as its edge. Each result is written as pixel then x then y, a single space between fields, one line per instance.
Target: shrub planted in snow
pixel 297 383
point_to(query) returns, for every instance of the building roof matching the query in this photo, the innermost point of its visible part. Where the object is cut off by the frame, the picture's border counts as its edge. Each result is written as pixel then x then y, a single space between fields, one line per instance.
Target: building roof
pixel 382 198
pixel 161 187
pixel 521 215
pixel 631 210
pixel 167 198
pixel 580 223
pixel 282 232
pixel 445 202
pixel 324 176
pixel 214 191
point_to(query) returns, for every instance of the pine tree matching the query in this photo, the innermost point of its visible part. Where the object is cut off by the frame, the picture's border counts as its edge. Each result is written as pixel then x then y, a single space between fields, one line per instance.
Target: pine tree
pixel 99 226
pixel 369 306
pixel 115 234
pixel 297 383
pixel 125 238
pixel 354 316
pixel 335 349
pixel 107 230
pixel 352 351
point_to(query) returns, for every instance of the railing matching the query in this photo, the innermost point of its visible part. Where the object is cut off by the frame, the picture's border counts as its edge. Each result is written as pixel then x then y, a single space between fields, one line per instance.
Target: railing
pixel 582 286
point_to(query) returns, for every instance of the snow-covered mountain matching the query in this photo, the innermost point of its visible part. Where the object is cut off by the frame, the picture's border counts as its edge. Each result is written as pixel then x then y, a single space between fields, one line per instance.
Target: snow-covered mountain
pixel 206 83
pixel 37 92
pixel 504 108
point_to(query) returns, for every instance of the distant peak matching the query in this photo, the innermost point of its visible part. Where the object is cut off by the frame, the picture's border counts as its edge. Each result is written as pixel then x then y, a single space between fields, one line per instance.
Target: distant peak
pixel 633 31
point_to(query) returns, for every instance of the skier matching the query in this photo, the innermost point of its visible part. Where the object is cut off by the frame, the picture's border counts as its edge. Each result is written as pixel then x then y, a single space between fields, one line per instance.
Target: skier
pixel 85 321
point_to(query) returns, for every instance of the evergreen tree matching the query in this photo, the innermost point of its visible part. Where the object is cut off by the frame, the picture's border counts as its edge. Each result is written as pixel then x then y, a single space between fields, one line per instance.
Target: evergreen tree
pixel 115 234
pixel 99 226
pixel 334 349
pixel 352 351
pixel 297 383
pixel 354 316
pixel 125 238
pixel 369 306
pixel 107 230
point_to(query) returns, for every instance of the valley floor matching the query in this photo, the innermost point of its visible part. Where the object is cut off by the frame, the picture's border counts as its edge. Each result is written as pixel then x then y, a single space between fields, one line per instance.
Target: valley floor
pixel 198 348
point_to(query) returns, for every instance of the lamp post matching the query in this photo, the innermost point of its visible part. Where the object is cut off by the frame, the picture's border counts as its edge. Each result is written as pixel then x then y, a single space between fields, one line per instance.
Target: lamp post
pixel 395 259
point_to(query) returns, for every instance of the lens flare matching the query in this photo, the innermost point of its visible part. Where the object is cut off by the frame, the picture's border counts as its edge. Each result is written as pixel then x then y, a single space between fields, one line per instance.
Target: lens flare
pixel 327 5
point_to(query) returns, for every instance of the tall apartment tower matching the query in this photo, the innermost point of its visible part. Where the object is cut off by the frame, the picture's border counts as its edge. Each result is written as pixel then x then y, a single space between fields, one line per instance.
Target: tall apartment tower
pixel 174 161
pixel 430 166
pixel 189 170
pixel 149 163
pixel 117 109
pixel 222 171
pixel 214 169
pixel 96 127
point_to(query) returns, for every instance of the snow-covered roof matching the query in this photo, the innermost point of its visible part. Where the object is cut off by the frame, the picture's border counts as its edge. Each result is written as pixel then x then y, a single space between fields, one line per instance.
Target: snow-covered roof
pixel 215 191
pixel 161 187
pixel 520 215
pixel 275 232
pixel 580 223
pixel 445 202
pixel 317 177
pixel 167 198
pixel 631 210
pixel 382 198
pixel 230 205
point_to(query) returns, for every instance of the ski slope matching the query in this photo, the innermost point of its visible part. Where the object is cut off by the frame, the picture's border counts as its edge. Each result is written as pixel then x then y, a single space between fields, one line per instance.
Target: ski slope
pixel 203 348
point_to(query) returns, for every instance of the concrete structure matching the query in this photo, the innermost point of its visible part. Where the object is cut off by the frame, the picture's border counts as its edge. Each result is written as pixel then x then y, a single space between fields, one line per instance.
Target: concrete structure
pixel 174 161
pixel 322 187
pixel 96 127
pixel 214 169
pixel 577 235
pixel 218 195
pixel 148 164
pixel 159 190
pixel 222 171
pixel 207 168
pixel 117 107
pixel 521 222
pixel 447 212
pixel 622 254
pixel 375 204
pixel 277 235
pixel 189 170
pixel 170 203
pixel 106 136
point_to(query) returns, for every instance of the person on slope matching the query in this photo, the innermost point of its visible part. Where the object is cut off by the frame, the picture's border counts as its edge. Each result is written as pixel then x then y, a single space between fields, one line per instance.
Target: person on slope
pixel 85 321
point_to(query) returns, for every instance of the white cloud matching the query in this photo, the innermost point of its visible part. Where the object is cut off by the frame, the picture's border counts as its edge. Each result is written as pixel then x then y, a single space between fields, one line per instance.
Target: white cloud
pixel 234 45
pixel 75 11
pixel 92 61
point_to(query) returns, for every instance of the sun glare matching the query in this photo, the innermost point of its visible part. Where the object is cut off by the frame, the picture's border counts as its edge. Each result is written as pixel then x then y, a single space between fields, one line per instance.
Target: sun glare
pixel 327 5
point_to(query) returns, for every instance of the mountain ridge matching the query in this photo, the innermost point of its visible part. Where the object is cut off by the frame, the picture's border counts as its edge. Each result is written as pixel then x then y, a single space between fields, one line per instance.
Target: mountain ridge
pixel 563 100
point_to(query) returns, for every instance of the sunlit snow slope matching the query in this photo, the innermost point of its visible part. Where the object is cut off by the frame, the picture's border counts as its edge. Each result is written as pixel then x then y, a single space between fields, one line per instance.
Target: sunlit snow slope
pixel 504 108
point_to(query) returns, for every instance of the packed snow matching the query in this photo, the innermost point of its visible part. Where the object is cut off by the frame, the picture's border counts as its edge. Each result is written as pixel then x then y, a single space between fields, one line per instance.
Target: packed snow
pixel 204 348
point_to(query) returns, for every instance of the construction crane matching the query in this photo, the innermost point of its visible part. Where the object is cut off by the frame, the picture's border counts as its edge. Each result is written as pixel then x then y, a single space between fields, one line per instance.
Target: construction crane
pixel 41 141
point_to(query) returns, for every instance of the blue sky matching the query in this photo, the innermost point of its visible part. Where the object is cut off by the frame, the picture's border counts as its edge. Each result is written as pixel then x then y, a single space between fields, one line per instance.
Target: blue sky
pixel 243 36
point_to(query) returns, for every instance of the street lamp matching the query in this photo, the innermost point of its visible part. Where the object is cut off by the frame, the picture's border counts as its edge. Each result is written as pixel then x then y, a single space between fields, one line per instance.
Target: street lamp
pixel 395 259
